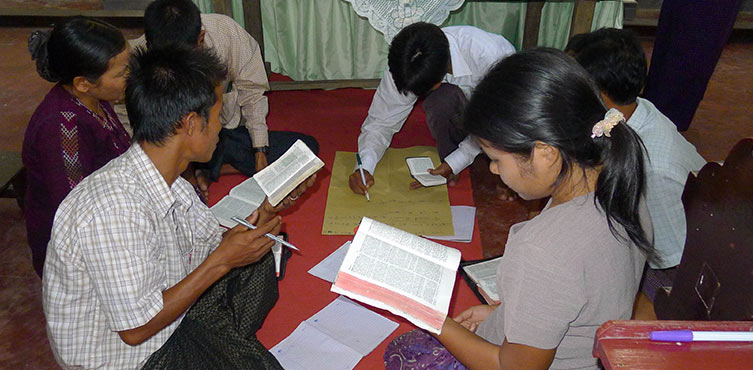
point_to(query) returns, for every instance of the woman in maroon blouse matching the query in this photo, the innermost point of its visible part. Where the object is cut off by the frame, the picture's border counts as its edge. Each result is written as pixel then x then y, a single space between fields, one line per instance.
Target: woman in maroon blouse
pixel 74 131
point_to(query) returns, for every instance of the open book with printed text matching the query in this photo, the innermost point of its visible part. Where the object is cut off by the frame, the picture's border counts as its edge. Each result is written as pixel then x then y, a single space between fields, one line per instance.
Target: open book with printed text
pixel 280 177
pixel 419 168
pixel 403 273
pixel 242 200
pixel 481 276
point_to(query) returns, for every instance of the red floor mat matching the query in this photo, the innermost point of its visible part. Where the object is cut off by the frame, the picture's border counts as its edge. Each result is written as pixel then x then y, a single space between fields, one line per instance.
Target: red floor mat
pixel 334 118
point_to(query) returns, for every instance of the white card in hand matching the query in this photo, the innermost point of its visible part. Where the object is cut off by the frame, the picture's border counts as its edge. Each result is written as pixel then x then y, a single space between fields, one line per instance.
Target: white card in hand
pixel 419 167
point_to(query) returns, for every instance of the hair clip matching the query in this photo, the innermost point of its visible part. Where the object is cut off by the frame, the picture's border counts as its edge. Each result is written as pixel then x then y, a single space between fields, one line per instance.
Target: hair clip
pixel 604 127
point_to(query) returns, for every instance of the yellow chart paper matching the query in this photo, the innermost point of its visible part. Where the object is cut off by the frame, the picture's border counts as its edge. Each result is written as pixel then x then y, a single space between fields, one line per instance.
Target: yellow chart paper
pixel 424 211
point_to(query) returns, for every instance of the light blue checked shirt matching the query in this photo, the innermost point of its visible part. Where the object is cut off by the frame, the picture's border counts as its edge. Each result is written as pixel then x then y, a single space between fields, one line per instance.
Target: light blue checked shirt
pixel 120 238
pixel 670 159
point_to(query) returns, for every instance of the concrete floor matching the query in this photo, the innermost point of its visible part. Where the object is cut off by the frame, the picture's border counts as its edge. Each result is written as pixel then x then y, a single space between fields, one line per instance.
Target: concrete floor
pixel 725 116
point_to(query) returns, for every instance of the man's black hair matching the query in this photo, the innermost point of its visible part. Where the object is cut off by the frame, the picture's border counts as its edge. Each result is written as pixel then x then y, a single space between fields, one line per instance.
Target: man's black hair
pixel 615 60
pixel 172 21
pixel 168 83
pixel 419 58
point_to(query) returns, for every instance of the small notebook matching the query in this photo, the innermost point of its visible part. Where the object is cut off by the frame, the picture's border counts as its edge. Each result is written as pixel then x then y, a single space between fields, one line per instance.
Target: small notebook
pixel 419 167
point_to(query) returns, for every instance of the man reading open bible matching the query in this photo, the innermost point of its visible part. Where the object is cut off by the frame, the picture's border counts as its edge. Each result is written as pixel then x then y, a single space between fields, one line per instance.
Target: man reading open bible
pixel 139 274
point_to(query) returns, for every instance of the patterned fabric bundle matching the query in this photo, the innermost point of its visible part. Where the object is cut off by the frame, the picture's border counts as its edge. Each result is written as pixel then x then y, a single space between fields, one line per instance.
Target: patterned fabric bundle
pixel 219 331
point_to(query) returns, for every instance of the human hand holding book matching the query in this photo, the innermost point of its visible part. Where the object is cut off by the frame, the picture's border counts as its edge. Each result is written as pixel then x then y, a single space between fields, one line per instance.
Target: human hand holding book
pixel 419 168
pixel 282 176
pixel 474 315
pixel 481 276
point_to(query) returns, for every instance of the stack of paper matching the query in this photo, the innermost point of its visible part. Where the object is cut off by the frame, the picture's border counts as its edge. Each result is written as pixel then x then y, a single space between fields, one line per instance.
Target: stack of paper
pixel 463 218
pixel 335 338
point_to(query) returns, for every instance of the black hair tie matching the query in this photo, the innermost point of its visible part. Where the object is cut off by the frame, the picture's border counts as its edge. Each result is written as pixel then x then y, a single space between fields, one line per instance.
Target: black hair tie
pixel 38 48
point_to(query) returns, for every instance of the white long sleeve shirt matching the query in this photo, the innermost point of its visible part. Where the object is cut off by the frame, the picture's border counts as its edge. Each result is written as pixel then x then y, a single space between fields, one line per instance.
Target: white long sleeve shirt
pixel 473 52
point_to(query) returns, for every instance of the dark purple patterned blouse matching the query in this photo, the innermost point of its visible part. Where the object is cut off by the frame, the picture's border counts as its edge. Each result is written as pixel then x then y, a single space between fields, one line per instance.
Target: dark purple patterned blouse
pixel 64 142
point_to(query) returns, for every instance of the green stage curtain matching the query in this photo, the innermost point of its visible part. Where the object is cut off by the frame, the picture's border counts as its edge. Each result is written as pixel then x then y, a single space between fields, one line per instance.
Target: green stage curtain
pixel 326 39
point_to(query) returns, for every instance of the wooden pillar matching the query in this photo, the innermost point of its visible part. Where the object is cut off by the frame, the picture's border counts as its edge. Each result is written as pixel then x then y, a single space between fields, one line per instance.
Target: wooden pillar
pixel 583 16
pixel 223 7
pixel 252 18
pixel 531 28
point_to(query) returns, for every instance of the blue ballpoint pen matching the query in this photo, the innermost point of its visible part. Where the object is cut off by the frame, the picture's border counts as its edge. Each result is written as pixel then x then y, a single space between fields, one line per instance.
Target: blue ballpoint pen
pixel 363 177
pixel 273 237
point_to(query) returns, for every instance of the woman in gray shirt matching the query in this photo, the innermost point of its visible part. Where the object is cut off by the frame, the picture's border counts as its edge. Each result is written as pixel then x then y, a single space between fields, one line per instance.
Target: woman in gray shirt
pixel 539 118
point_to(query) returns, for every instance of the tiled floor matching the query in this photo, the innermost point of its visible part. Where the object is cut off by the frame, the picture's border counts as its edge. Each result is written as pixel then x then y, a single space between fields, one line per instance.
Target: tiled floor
pixel 725 115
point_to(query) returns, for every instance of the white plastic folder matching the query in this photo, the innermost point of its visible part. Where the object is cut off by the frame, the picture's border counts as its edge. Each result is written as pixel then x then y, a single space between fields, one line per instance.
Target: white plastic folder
pixel 335 338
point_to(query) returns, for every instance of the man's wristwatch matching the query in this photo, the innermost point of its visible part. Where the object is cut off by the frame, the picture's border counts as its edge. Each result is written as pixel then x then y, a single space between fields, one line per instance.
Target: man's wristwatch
pixel 261 149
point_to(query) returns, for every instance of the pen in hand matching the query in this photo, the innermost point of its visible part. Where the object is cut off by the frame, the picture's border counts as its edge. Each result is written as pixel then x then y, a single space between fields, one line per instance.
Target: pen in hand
pixel 363 177
pixel 273 237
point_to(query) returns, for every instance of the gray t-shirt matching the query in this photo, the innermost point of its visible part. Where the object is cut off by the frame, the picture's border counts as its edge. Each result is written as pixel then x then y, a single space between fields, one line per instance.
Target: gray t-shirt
pixel 564 274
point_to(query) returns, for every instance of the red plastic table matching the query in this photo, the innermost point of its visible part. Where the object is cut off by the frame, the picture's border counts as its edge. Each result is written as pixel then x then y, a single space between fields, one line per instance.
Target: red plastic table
pixel 626 345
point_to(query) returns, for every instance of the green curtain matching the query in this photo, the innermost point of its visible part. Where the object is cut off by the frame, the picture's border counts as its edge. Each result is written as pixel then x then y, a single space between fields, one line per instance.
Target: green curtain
pixel 205 6
pixel 326 39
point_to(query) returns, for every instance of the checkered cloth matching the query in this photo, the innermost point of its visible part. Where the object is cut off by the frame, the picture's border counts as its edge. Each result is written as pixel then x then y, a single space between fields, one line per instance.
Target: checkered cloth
pixel 218 332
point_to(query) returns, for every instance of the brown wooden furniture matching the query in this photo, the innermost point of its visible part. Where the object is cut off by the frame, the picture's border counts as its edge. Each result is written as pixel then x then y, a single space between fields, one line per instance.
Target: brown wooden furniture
pixel 12 177
pixel 715 277
pixel 626 345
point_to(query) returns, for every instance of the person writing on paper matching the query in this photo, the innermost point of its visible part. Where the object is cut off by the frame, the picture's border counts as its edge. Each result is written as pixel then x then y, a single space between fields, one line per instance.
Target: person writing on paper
pixel 442 65
pixel 539 118
pixel 138 272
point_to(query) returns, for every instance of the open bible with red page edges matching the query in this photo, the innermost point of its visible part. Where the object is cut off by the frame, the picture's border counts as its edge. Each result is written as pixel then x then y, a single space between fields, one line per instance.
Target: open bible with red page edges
pixel 403 273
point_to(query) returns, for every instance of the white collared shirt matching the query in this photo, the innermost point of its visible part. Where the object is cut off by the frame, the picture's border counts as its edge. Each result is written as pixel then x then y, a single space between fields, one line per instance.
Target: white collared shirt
pixel 120 238
pixel 472 52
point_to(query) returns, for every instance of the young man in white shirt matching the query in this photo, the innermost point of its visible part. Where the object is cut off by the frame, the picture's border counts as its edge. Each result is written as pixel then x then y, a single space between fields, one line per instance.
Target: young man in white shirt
pixel 616 61
pixel 443 65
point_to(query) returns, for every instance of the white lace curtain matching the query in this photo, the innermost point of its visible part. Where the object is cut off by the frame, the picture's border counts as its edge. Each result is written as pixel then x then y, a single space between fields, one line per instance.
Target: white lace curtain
pixel 390 16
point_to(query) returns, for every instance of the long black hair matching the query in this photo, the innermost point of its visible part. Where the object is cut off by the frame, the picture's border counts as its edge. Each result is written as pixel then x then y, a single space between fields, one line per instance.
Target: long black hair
pixel 544 95
pixel 78 46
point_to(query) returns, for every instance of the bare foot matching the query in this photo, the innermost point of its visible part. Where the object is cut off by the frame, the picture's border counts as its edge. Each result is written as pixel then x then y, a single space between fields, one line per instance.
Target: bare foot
pixel 505 193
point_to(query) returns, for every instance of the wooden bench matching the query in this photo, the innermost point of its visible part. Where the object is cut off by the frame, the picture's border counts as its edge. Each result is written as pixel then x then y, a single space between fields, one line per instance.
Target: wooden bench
pixel 12 177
